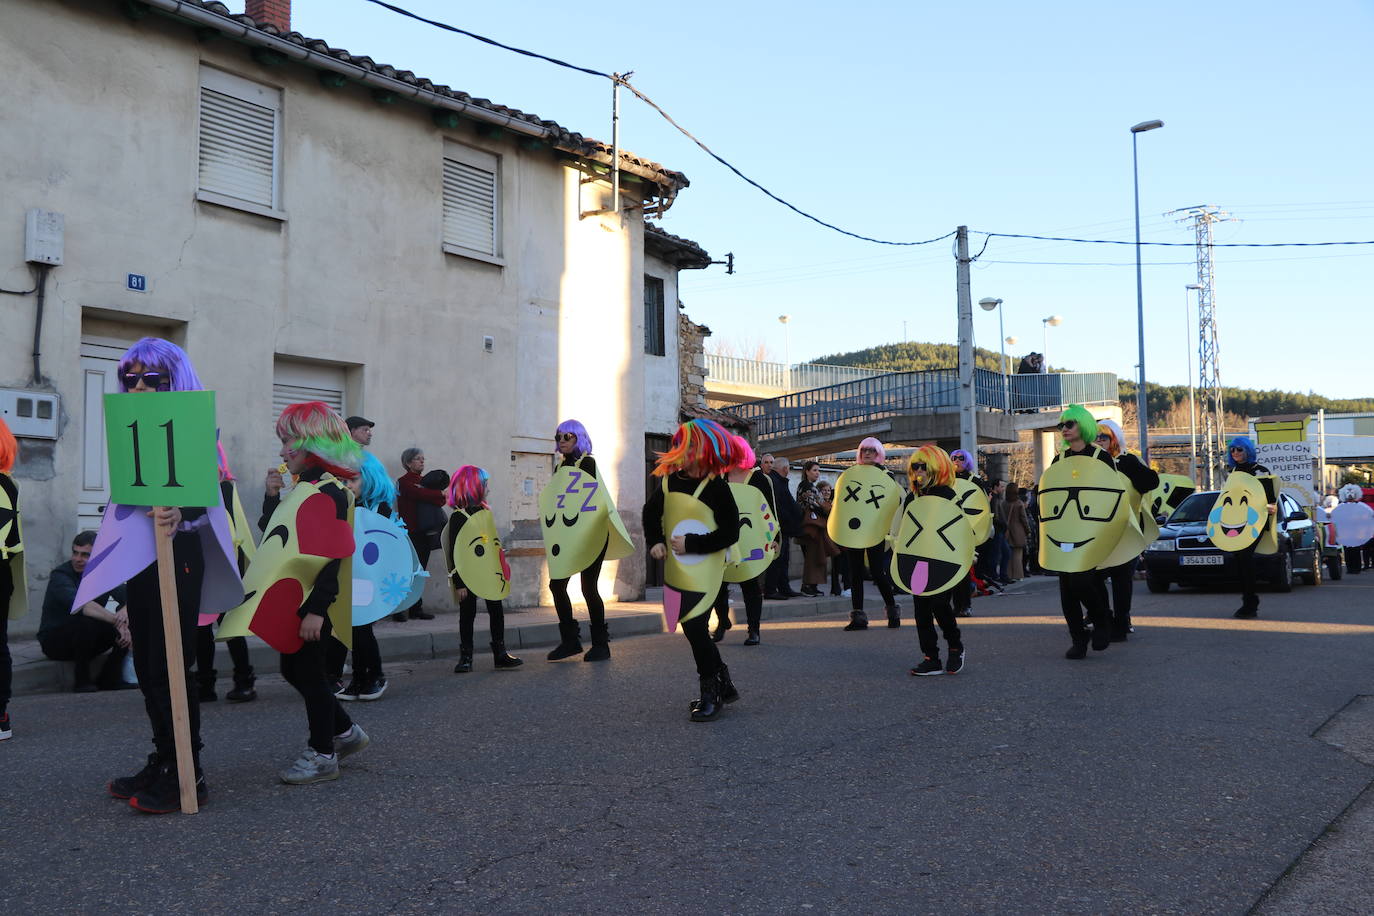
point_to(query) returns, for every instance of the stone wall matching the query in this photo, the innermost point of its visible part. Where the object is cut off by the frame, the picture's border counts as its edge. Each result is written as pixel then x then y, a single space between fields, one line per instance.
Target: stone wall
pixel 691 348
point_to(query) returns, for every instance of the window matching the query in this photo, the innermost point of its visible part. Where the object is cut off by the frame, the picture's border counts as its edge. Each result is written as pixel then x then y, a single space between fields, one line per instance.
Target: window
pixel 240 131
pixel 472 202
pixel 653 317
pixel 295 381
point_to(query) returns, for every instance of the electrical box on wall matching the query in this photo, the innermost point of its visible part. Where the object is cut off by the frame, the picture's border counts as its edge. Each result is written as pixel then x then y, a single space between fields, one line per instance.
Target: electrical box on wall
pixel 43 232
pixel 31 414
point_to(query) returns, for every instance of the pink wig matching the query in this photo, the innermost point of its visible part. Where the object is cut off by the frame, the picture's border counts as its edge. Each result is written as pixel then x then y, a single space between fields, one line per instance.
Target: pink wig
pixel 746 460
pixel 468 488
pixel 877 446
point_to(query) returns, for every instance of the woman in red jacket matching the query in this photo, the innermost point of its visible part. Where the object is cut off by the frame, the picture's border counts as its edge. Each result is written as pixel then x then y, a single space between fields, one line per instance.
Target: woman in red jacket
pixel 421 508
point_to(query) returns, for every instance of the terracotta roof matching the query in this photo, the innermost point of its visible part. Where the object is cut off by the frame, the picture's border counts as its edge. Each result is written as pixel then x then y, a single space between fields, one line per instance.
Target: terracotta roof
pixel 684 253
pixel 723 417
pixel 559 137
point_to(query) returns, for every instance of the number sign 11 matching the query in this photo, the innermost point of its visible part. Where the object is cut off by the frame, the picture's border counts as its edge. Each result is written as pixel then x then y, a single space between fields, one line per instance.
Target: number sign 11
pixel 161 447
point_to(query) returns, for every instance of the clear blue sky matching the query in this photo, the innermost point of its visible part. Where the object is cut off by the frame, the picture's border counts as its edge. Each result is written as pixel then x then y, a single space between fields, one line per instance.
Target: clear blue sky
pixel 904 120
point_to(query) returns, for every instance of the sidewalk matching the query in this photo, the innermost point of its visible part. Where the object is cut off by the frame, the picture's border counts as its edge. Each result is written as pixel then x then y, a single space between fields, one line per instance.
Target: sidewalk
pixel 526 628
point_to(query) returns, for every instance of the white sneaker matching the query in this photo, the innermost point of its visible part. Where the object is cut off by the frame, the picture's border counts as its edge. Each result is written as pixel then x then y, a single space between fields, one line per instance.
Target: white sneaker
pixel 312 766
pixel 844 594
pixel 351 741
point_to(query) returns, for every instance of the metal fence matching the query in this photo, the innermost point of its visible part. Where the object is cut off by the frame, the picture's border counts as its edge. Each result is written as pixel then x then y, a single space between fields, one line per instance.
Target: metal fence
pixel 925 391
pixel 798 377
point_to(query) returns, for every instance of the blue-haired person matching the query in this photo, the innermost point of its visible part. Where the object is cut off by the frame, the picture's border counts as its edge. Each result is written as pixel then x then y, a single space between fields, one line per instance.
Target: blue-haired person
pixel 1240 456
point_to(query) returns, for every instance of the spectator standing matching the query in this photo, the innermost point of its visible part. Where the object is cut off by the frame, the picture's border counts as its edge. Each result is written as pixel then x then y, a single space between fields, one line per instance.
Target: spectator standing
pixel 789 518
pixel 812 527
pixel 1000 552
pixel 1018 530
pixel 83 636
pixel 421 508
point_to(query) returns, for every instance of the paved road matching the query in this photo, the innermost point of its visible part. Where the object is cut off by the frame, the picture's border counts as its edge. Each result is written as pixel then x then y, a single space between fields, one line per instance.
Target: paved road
pixel 1178 773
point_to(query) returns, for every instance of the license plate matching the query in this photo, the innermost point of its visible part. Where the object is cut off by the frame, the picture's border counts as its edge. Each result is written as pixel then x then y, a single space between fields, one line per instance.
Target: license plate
pixel 1209 560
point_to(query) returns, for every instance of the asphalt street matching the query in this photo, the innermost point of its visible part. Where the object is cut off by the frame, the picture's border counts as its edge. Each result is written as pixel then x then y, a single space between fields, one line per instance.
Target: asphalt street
pixel 1181 772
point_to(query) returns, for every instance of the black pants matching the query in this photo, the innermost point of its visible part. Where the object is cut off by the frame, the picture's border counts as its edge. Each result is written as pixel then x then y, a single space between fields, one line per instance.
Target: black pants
pixel 961 595
pixel 1245 571
pixel 304 670
pixel 80 640
pixel 933 609
pixel 424 546
pixel 596 608
pixel 877 566
pixel 1080 593
pixel 776 577
pixel 467 613
pixel 367 656
pixel 704 651
pixel 752 590
pixel 1122 583
pixel 839 574
pixel 6 664
pixel 1354 557
pixel 205 654
pixel 150 647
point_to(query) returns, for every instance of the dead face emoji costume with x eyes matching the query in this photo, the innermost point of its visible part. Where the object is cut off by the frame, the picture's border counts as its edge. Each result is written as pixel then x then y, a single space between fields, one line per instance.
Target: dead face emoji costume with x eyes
pixel 1083 511
pixel 934 546
pixel 971 498
pixel 477 556
pixel 578 519
pixel 866 499
pixel 1240 513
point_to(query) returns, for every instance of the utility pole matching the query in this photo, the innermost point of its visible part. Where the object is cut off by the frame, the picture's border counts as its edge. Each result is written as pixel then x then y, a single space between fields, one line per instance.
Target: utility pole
pixel 968 433
pixel 1208 348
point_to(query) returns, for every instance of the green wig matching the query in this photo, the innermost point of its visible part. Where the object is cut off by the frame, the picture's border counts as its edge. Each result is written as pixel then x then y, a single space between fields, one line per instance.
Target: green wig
pixel 1087 426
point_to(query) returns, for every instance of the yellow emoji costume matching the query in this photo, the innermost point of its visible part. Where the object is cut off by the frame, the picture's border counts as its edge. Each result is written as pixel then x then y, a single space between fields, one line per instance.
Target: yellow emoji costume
pixel 12 547
pixel 696 576
pixel 933 549
pixel 1083 512
pixel 969 496
pixel 866 499
pixel 1240 516
pixel 578 519
pixel 758 535
pixel 474 552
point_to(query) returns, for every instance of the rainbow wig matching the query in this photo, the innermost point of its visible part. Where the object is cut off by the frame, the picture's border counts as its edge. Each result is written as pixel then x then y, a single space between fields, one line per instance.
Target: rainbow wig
pixel 377 485
pixel 937 462
pixel 468 488
pixel 1087 426
pixel 1244 443
pixel 1113 432
pixel 584 441
pixel 313 428
pixel 9 448
pixel 872 443
pixel 156 354
pixel 700 448
pixel 745 459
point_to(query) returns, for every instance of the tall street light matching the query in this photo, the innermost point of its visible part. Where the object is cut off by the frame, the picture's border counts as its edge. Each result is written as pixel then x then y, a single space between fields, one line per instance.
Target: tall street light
pixel 987 305
pixel 1053 321
pixel 787 352
pixel 1192 401
pixel 1141 407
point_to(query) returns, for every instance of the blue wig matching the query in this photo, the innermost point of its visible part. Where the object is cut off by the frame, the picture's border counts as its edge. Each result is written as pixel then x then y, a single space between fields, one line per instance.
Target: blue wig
pixel 1242 442
pixel 155 354
pixel 584 441
pixel 377 485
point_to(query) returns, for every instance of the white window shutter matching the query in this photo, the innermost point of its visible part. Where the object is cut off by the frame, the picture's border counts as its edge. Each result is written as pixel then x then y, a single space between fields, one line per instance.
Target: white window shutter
pixel 284 395
pixel 238 138
pixel 470 207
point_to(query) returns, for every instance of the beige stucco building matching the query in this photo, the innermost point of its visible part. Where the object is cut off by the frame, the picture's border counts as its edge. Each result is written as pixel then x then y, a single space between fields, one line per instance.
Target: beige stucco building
pixel 312 225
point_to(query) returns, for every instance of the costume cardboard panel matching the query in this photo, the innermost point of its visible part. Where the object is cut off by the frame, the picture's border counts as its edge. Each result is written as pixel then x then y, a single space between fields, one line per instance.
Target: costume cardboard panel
pixel 1173 489
pixel 578 519
pixel 477 556
pixel 1354 524
pixel 14 556
pixel 385 566
pixel 691 581
pixel 758 535
pixel 1240 514
pixel 240 535
pixel 971 498
pixel 1083 511
pixel 866 499
pixel 304 534
pixel 1138 533
pixel 125 546
pixel 933 549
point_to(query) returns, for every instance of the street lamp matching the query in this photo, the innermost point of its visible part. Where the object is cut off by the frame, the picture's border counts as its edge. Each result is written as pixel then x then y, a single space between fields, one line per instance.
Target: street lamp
pixel 1053 321
pixel 1141 407
pixel 787 352
pixel 988 304
pixel 1192 400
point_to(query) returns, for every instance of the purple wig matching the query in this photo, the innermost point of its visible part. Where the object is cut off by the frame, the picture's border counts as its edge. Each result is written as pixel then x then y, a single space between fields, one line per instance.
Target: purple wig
pixel 969 463
pixel 156 354
pixel 584 441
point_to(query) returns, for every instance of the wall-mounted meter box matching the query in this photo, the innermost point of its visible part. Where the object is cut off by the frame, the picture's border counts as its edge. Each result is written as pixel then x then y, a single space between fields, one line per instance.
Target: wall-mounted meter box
pixel 43 236
pixel 32 414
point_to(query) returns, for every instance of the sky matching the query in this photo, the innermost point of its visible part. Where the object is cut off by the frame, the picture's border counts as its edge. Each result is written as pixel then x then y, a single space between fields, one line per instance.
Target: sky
pixel 902 121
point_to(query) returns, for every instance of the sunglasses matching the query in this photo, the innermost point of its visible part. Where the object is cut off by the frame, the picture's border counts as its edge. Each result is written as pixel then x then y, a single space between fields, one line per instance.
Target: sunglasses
pixel 1067 424
pixel 918 467
pixel 565 437
pixel 158 381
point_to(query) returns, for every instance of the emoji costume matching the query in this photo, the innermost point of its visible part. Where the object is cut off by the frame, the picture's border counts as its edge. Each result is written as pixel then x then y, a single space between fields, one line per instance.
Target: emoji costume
pixel 477 563
pixel 866 499
pixel 759 530
pixel 241 537
pixel 1250 533
pixel 1118 570
pixel 14 593
pixel 970 493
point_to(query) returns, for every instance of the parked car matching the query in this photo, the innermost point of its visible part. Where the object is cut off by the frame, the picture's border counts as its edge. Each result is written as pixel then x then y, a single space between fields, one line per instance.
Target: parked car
pixel 1183 553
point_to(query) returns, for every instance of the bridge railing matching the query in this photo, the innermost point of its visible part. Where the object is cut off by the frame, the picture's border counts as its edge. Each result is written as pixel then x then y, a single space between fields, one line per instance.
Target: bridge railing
pixel 924 391
pixel 764 374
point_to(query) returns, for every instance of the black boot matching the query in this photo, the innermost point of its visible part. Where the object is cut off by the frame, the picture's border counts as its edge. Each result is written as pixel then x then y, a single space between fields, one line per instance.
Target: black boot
pixel 708 707
pixel 722 624
pixel 243 691
pixel 503 660
pixel 753 638
pixel 728 693
pixel 858 620
pixel 894 617
pixel 601 644
pixel 464 660
pixel 570 641
pixel 206 680
pixel 1079 649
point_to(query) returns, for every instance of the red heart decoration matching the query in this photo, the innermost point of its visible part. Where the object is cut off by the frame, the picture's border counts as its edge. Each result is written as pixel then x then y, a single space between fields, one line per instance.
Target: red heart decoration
pixel 275 620
pixel 320 531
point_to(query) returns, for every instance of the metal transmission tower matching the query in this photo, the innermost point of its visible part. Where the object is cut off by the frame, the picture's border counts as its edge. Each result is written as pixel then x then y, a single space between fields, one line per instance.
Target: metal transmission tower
pixel 1208 347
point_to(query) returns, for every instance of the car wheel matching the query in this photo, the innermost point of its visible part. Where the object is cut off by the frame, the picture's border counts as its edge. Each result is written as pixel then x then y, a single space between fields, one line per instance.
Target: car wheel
pixel 1333 569
pixel 1283 581
pixel 1314 575
pixel 1157 586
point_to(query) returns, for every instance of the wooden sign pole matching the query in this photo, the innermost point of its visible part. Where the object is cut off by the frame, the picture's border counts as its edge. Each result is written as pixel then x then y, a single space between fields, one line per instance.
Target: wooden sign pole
pixel 176 668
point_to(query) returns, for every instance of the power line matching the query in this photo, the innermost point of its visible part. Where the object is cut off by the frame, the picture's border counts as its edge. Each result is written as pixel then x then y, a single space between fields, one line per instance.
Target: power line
pixel 1050 238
